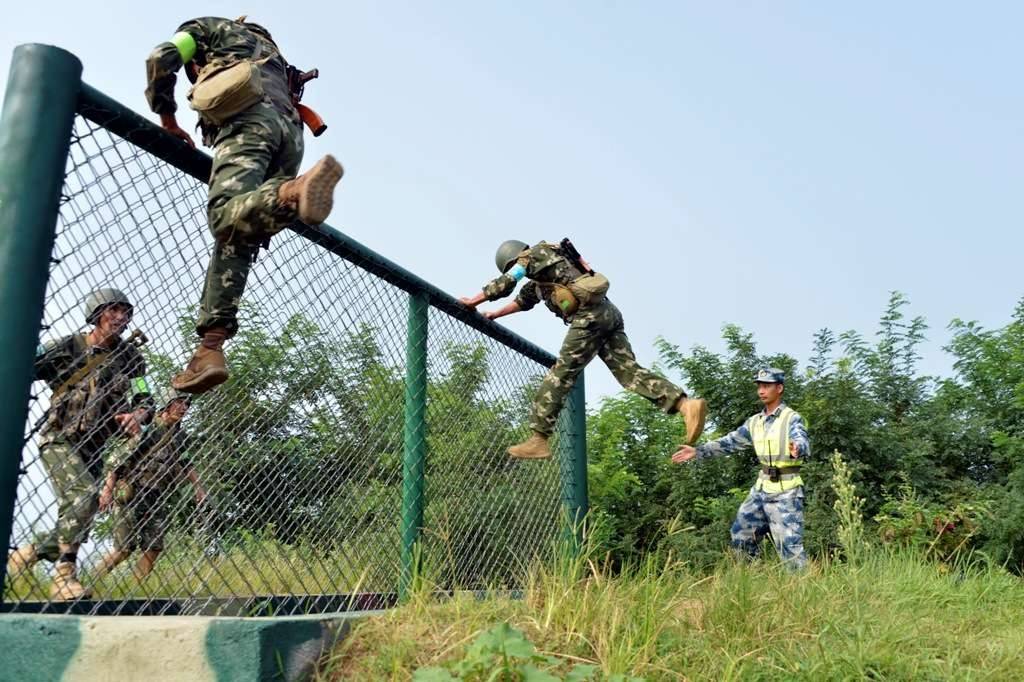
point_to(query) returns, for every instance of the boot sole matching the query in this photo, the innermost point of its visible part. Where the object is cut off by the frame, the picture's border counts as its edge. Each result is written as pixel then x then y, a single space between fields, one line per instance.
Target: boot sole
pixel 316 199
pixel 202 382
pixel 695 420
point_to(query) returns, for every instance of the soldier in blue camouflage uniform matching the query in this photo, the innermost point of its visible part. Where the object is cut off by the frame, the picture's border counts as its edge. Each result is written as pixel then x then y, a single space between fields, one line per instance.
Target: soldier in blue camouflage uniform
pixel 254 192
pixel 143 474
pixel 98 391
pixel 596 328
pixel 775 504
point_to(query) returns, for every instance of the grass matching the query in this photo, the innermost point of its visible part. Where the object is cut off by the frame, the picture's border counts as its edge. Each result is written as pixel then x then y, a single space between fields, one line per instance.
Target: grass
pixel 881 614
pixel 255 565
pixel 891 616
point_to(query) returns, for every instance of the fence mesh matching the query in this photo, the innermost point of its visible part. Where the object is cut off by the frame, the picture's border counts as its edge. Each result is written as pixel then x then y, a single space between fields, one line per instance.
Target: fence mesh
pixel 284 494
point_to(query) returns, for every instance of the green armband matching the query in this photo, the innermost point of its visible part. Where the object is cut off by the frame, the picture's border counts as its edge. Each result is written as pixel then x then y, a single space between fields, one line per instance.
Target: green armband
pixel 140 387
pixel 186 45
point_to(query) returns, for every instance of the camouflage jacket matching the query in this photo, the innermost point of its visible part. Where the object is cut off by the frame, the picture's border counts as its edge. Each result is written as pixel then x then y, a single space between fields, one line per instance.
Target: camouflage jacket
pixel 153 461
pixel 85 408
pixel 217 39
pixel 545 265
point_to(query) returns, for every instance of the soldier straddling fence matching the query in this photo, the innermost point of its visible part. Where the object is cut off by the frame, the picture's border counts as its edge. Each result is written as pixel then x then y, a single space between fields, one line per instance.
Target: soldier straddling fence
pixel 247 110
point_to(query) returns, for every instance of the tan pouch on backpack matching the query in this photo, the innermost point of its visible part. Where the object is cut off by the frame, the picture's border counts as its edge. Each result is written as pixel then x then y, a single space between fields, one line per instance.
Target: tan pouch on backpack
pixel 227 88
pixel 590 289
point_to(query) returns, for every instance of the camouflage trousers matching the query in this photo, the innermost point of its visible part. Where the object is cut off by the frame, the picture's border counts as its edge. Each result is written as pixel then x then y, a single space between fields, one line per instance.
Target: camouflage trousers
pixel 140 525
pixel 781 515
pixel 75 471
pixel 597 331
pixel 254 154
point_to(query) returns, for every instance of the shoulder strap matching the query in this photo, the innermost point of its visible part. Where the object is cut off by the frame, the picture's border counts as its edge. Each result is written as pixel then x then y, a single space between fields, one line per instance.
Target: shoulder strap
pixel 80 373
pixel 258 50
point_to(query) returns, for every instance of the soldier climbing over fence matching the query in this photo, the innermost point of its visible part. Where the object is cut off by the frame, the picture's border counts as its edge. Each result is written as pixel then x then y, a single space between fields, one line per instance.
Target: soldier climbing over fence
pixel 246 96
pixel 575 293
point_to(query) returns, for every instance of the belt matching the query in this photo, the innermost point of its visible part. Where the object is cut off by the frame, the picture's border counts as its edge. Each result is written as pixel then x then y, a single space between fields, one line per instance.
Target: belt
pixel 782 471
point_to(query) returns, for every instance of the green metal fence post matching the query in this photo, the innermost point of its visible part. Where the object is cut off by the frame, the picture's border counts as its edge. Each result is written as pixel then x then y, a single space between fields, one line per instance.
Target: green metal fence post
pixel 415 436
pixel 573 446
pixel 35 135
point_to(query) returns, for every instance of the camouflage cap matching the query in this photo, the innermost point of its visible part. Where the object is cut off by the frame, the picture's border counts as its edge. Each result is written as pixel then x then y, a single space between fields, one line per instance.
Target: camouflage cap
pixel 770 375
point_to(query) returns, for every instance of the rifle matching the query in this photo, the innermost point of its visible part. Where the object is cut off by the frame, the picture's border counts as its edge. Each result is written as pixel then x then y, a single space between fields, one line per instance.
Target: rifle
pixel 297 80
pixel 569 251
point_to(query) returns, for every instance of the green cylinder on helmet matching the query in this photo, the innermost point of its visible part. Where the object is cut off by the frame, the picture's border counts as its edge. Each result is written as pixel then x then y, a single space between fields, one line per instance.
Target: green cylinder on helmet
pixel 508 252
pixel 100 299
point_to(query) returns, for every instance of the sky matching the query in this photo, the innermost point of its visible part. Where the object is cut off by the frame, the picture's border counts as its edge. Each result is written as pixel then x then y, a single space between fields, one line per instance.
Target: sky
pixel 781 166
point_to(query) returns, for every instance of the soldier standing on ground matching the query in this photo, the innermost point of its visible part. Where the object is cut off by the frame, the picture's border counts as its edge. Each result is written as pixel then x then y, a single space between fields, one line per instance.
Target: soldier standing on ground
pixel 775 505
pixel 143 474
pixel 98 390
pixel 247 114
pixel 571 290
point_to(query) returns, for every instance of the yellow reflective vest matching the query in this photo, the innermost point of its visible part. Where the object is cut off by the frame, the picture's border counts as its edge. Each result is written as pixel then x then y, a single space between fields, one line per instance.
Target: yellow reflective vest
pixel 771 444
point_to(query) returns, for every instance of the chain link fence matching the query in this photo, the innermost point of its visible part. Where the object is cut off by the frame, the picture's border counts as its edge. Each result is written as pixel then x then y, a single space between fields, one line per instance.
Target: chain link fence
pixel 360 440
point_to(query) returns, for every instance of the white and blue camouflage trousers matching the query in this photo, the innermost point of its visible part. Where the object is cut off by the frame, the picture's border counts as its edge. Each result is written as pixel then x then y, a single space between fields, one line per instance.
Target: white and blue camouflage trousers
pixel 782 515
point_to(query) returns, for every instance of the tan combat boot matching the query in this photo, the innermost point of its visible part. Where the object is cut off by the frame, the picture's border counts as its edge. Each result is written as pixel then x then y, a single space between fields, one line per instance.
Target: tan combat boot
pixel 694 412
pixel 312 193
pixel 534 447
pixel 207 367
pixel 65 585
pixel 21 560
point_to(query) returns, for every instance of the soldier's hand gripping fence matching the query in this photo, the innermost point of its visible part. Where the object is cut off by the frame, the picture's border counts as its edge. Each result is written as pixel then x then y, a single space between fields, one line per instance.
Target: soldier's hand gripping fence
pixel 359 443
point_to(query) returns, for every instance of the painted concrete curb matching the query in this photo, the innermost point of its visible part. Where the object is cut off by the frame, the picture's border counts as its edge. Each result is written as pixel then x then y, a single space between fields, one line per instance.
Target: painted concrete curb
pixel 48 648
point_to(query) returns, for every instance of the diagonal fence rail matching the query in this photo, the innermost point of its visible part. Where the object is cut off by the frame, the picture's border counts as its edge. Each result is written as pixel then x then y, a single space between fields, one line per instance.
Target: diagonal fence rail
pixel 359 444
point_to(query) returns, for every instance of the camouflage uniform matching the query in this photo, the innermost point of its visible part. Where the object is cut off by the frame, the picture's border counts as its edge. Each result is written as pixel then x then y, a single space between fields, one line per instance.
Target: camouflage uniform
pixel 255 152
pixel 781 515
pixel 594 330
pixel 151 464
pixel 769 508
pixel 78 425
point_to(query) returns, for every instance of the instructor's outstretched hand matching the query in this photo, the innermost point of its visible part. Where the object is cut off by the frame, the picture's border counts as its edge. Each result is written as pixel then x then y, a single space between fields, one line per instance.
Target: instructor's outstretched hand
pixel 685 454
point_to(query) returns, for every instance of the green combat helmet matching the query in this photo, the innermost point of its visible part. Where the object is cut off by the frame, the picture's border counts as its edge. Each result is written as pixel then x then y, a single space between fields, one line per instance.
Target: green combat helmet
pixel 173 394
pixel 100 299
pixel 508 252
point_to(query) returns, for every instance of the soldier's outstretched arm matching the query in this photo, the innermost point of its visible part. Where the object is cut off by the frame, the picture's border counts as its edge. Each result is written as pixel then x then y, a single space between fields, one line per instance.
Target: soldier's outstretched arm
pixel 138 402
pixel 726 445
pixel 107 494
pixel 508 309
pixel 197 485
pixel 473 301
pixel 500 287
pixel 492 291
